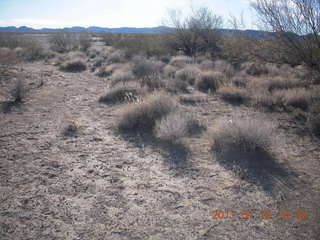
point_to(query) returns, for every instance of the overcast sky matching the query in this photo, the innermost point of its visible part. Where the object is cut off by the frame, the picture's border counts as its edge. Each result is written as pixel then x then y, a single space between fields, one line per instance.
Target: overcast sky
pixel 108 13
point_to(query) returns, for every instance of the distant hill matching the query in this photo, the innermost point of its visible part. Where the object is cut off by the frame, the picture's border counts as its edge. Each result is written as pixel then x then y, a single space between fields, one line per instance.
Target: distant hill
pixel 152 30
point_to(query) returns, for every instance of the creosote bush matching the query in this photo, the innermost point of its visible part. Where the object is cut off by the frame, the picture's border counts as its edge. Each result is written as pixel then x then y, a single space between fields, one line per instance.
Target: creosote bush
pixel 181 61
pixel 210 81
pixel 18 92
pixel 122 75
pixel 314 119
pixel 142 116
pixel 73 66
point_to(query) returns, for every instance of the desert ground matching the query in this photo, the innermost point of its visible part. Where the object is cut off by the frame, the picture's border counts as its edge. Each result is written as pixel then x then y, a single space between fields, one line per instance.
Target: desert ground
pixel 96 182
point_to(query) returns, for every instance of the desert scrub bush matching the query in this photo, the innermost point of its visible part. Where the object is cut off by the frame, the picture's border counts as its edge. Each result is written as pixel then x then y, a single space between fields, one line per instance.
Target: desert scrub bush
pixel 240 81
pixel 181 61
pixel 189 73
pixel 121 75
pixel 11 40
pixel 210 81
pixel 207 65
pixel 170 71
pixel 116 57
pixel 314 119
pixel 148 72
pixel 8 57
pixel 176 85
pixel 254 68
pixel 122 94
pixel 177 125
pixel 233 95
pixel 141 117
pixel 18 91
pixel 243 134
pixel 84 42
pixel 32 51
pixel 62 42
pixel 297 98
pixel 192 99
pixel 224 67
pixel 73 66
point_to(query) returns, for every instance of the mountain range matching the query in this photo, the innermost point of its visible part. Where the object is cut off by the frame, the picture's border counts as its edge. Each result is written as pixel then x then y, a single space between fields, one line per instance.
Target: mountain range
pixel 151 30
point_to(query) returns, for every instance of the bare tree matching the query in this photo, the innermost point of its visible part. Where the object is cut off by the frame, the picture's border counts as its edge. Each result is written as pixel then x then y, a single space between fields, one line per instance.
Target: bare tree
pixel 297 23
pixel 197 33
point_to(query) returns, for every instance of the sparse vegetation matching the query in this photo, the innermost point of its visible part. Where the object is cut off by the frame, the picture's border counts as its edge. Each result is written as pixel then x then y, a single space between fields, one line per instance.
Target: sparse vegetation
pixel 233 95
pixel 121 94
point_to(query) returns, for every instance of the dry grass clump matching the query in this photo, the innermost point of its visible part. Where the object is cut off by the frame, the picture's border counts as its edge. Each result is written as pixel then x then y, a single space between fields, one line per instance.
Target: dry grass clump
pixel 116 57
pixel 142 116
pixel 297 98
pixel 177 125
pixel 244 134
pixel 73 66
pixel 122 94
pixel 170 71
pixel 181 61
pixel 207 65
pixel 122 75
pixel 148 72
pixel 192 99
pixel 233 95
pixel 240 81
pixel 224 67
pixel 254 68
pixel 189 73
pixel 176 86
pixel 8 57
pixel 210 81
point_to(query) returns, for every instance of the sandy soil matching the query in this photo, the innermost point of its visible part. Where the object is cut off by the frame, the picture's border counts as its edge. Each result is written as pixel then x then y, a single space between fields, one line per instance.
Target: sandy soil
pixel 100 185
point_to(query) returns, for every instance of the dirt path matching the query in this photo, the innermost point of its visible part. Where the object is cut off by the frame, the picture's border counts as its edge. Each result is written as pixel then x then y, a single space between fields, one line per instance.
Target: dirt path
pixel 100 186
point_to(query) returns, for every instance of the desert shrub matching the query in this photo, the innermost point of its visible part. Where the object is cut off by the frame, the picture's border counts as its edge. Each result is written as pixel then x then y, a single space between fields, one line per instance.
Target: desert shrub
pixel 116 57
pixel 32 51
pixel 314 119
pixel 240 81
pixel 296 98
pixel 189 73
pixel 73 66
pixel 170 71
pixel 192 99
pixel 62 42
pixel 8 57
pixel 121 76
pixel 210 81
pixel 207 65
pixel 177 125
pixel 148 72
pixel 176 86
pixel 11 40
pixel 18 91
pixel 224 67
pixel 121 94
pixel 181 61
pixel 254 68
pixel 244 134
pixel 233 95
pixel 84 42
pixel 142 117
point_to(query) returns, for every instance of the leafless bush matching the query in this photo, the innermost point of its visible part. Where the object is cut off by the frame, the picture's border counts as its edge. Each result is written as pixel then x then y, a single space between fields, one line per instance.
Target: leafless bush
pixel 84 42
pixel 18 91
pixel 116 57
pixel 224 67
pixel 254 68
pixel 170 71
pixel 142 117
pixel 211 81
pixel 62 42
pixel 314 119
